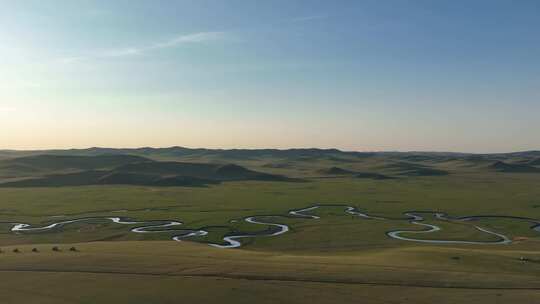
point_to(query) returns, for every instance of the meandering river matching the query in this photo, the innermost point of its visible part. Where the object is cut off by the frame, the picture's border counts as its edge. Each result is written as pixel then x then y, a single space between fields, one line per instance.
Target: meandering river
pixel 275 228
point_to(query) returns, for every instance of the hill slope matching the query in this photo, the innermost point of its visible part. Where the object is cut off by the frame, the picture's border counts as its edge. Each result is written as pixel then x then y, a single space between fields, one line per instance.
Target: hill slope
pixel 150 173
pixel 513 168
pixel 413 169
pixel 30 165
pixel 336 171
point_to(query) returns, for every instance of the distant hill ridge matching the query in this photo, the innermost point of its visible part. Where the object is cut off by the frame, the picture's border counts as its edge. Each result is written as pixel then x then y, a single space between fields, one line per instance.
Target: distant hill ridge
pixel 61 170
pixel 178 151
pixel 185 166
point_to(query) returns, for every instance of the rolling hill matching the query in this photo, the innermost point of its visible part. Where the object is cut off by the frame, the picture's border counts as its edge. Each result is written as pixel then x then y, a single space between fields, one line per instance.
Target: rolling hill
pixel 535 162
pixel 47 163
pixel 335 171
pixel 149 173
pixel 414 169
pixel 513 168
pixel 185 166
pixel 178 153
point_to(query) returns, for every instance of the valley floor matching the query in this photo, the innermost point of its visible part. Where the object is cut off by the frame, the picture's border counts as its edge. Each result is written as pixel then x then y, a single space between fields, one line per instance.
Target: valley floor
pixel 337 258
pixel 166 272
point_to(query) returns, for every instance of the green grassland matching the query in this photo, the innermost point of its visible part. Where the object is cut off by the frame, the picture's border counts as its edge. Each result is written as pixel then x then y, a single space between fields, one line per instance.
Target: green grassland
pixel 165 272
pixel 337 258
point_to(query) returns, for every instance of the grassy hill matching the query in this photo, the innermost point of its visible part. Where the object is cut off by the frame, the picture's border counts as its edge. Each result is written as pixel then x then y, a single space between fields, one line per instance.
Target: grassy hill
pixel 513 168
pixel 36 164
pixel 178 153
pixel 207 171
pixel 535 162
pixel 372 175
pixel 184 166
pixel 414 169
pixel 145 172
pixel 336 171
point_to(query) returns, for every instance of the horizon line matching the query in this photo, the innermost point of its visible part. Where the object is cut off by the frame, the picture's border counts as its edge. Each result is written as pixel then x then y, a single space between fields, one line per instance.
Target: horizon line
pixel 255 149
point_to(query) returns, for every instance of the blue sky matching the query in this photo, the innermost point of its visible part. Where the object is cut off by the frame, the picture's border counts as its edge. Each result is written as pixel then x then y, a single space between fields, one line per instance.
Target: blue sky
pixel 355 75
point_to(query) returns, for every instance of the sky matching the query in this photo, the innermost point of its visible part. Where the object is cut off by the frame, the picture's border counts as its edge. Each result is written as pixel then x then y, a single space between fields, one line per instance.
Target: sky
pixel 433 75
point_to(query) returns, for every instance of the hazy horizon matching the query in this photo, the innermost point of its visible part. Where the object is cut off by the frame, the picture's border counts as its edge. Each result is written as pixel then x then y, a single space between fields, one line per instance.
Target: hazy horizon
pixel 352 75
pixel 264 148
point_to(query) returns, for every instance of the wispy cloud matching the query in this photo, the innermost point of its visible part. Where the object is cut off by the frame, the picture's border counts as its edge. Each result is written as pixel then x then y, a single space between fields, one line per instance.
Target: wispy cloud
pixel 190 38
pixel 201 37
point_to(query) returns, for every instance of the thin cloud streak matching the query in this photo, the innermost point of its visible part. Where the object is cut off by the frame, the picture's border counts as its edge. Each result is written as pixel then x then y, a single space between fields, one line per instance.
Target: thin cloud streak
pixel 201 37
pixel 191 38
